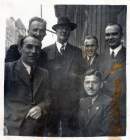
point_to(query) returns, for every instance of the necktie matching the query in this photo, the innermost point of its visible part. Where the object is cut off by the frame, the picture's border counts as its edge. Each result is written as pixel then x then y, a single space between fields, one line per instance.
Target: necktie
pixel 89 104
pixel 31 74
pixel 89 60
pixel 62 49
pixel 113 55
pixel 32 77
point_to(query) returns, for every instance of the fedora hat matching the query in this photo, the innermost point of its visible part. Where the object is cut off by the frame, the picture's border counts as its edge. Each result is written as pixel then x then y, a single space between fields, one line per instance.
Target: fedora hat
pixel 64 21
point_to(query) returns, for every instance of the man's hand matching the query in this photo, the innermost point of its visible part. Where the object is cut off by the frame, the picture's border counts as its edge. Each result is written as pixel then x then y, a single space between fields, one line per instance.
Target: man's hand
pixel 35 112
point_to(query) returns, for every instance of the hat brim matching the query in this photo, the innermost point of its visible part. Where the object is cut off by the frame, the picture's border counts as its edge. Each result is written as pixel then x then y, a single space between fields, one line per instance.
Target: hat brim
pixel 71 25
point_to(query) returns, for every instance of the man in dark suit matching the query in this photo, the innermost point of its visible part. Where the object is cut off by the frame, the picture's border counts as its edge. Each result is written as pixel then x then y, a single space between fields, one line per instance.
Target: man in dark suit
pixel 95 113
pixel 90 51
pixel 26 92
pixel 113 65
pixel 37 28
pixel 63 62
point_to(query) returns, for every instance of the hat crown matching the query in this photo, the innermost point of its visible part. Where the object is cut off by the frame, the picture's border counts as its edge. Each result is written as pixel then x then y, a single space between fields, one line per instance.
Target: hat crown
pixel 63 20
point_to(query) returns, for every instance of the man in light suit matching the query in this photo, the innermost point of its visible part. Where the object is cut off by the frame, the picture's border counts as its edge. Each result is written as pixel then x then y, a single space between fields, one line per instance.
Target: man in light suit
pixel 90 51
pixel 113 64
pixel 95 112
pixel 26 92
pixel 64 63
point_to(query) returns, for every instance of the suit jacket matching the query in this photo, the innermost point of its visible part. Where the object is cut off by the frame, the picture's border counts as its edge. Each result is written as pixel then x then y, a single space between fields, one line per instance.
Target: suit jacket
pixel 19 97
pixel 64 73
pixel 12 53
pixel 114 71
pixel 94 63
pixel 96 122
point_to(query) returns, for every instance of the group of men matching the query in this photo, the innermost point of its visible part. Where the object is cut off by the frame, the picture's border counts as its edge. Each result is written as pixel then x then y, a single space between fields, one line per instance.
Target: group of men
pixel 56 92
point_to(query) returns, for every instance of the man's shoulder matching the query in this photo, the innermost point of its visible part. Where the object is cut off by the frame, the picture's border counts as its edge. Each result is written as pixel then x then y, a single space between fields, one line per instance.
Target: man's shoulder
pixel 74 47
pixel 48 48
pixel 43 70
pixel 10 64
pixel 106 99
pixel 123 49
pixel 10 67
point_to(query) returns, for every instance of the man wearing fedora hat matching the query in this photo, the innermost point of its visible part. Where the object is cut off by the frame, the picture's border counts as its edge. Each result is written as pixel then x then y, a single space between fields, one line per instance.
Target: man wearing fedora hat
pixel 64 63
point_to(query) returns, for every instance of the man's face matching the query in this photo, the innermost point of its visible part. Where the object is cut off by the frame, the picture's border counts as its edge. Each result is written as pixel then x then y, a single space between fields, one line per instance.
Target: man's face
pixel 90 47
pixel 30 50
pixel 63 33
pixel 37 29
pixel 92 84
pixel 113 36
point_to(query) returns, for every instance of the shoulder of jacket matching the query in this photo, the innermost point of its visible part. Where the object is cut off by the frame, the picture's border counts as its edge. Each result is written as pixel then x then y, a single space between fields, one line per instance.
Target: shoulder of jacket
pixel 10 64
pixel 43 71
pixel 47 48
pixel 106 99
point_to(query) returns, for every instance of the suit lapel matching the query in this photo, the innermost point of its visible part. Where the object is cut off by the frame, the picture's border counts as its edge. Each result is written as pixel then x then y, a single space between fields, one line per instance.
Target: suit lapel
pixel 96 107
pixel 22 72
pixel 53 52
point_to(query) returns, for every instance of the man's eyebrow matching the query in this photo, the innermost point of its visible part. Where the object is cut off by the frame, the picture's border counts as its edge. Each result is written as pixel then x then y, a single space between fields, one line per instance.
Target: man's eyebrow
pixel 112 33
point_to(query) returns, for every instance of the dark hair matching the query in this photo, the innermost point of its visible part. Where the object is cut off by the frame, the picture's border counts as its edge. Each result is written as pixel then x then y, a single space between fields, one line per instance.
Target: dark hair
pixel 93 72
pixel 36 19
pixel 21 41
pixel 91 37
pixel 113 24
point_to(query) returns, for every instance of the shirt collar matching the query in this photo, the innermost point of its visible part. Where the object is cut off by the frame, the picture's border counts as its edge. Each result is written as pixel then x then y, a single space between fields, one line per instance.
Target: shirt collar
pixel 92 59
pixel 59 45
pixel 28 68
pixel 94 99
pixel 116 50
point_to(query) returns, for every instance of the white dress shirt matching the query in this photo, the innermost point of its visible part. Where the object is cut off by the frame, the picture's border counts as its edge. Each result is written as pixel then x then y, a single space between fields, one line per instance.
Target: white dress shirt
pixel 59 45
pixel 116 50
pixel 92 59
pixel 27 67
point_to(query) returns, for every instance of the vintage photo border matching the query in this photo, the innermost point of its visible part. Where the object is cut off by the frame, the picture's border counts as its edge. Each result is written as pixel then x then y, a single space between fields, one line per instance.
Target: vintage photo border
pixel 4 13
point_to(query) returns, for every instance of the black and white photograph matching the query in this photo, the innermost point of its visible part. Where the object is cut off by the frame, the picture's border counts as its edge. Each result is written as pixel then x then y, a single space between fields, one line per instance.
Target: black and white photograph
pixel 65 69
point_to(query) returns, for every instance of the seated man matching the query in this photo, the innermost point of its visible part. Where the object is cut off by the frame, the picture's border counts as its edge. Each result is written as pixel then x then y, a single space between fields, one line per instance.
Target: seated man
pixel 26 92
pixel 95 113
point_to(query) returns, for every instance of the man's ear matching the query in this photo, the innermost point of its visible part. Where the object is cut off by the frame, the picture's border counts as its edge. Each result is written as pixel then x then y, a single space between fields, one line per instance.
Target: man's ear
pixel 20 49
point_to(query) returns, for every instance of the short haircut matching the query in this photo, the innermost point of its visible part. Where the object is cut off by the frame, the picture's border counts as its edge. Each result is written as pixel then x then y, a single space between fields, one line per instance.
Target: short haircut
pixel 91 37
pixel 36 19
pixel 93 72
pixel 113 24
pixel 21 40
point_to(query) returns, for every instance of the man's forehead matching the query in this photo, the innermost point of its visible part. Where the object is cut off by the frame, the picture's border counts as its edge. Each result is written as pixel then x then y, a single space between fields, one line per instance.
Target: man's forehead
pixel 90 41
pixel 112 28
pixel 32 40
pixel 91 78
pixel 37 24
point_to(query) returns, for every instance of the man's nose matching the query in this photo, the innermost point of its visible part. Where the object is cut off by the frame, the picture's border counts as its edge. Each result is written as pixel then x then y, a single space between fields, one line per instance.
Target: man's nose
pixel 90 85
pixel 110 36
pixel 64 30
pixel 38 32
pixel 33 49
